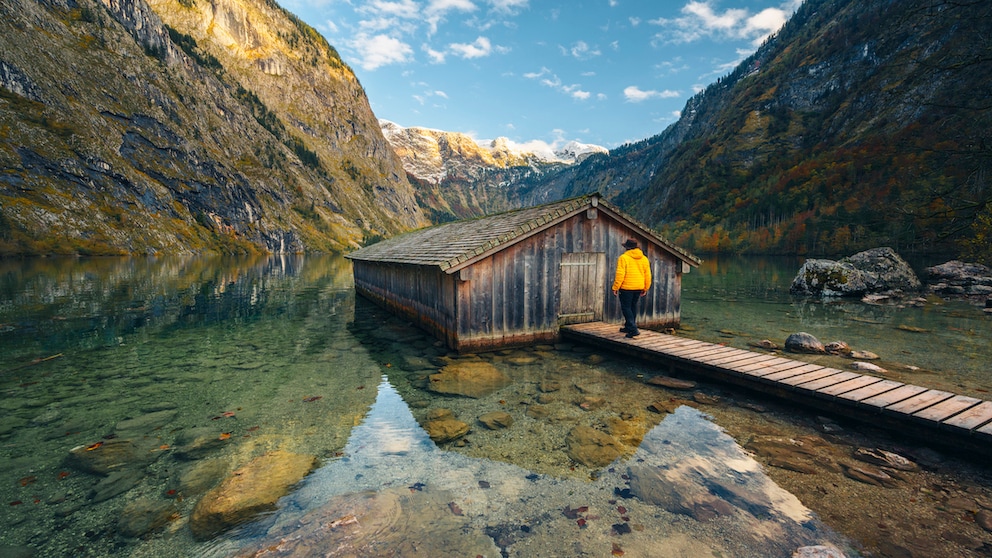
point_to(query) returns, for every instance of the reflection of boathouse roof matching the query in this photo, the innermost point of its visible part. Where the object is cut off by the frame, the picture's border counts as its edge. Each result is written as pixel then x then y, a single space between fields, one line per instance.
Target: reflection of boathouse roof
pixel 452 246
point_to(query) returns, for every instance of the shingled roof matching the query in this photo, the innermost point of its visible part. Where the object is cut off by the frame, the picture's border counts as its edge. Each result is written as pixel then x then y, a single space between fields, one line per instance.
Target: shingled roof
pixel 451 246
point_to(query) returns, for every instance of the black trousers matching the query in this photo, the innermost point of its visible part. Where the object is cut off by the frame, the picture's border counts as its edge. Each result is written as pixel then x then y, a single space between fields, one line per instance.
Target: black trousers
pixel 628 307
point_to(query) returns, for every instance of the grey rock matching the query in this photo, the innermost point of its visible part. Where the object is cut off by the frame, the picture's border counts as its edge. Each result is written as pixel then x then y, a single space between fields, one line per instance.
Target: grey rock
pixel 957 278
pixel 872 271
pixel 805 343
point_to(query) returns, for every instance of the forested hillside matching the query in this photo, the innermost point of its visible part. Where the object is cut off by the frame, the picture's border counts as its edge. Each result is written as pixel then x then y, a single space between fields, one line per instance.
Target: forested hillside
pixel 860 124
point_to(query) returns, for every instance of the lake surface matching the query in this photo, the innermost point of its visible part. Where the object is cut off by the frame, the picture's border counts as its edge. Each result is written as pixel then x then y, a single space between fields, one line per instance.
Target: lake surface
pixel 200 366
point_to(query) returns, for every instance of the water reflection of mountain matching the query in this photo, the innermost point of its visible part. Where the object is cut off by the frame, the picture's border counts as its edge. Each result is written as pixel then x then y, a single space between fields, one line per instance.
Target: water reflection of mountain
pixel 59 303
pixel 689 490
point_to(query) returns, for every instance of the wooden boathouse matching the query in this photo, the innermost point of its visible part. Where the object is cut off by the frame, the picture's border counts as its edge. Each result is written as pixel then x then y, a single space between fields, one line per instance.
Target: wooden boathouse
pixel 515 278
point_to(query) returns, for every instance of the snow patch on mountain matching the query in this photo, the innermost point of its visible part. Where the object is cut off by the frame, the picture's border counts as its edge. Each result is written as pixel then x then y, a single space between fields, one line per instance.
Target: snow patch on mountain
pixel 435 154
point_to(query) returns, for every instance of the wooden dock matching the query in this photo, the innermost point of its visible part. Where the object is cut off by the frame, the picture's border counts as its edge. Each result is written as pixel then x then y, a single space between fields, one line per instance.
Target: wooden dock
pixel 916 411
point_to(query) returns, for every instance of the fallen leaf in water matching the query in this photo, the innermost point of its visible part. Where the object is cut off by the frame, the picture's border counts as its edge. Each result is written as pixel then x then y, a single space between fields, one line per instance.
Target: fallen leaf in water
pixel 581 522
pixel 253 428
pixel 63 474
pixel 16 503
pixel 224 435
pixel 27 480
pixel 454 508
pixel 617 551
pixel 312 399
pixel 170 492
pixel 622 510
pixel 227 414
pixel 94 446
pixel 164 447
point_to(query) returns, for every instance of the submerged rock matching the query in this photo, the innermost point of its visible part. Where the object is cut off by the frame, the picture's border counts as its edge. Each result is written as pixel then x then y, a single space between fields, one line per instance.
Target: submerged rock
pixel 884 458
pixel 446 430
pixel 496 420
pixel 471 379
pixel 249 491
pixel 591 447
pixel 391 522
pixel 144 516
pixel 107 456
pixel 818 551
pixel 671 383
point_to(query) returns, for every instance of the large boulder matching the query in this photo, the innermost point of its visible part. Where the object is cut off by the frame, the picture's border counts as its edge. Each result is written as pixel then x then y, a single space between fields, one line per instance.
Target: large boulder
pixel 248 492
pixel 872 271
pixel 805 343
pixel 957 278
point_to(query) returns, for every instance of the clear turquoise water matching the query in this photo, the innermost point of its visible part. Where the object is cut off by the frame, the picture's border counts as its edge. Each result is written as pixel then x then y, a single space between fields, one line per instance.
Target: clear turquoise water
pixel 276 353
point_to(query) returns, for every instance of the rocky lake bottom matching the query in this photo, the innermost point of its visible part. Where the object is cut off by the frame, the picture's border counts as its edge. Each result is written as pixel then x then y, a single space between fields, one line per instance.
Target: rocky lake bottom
pixel 126 429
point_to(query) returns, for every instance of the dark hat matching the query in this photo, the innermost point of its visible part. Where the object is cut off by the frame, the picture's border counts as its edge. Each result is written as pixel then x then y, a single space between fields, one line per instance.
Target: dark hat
pixel 630 243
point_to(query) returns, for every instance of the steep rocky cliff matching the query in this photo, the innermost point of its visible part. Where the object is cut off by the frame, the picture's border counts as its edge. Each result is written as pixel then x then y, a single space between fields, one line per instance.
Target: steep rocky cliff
pixel 860 124
pixel 185 126
pixel 458 177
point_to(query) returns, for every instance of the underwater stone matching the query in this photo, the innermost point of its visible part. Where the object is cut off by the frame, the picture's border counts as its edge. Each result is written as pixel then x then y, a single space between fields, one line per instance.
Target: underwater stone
pixel 249 491
pixel 471 379
pixel 496 420
pixel 591 447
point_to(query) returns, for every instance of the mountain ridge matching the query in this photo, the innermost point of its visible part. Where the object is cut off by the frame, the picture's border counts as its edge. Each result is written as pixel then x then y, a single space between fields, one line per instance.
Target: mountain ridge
pixel 145 127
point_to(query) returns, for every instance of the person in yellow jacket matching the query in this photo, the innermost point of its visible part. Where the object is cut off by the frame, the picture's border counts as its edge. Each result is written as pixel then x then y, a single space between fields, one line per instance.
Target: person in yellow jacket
pixel 633 279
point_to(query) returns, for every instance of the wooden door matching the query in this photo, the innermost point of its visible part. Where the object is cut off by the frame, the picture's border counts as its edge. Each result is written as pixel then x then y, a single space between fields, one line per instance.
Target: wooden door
pixel 582 287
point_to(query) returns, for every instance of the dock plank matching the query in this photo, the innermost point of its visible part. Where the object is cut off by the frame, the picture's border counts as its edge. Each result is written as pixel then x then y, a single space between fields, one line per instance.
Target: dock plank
pixel 827 381
pixel 871 390
pixel 747 358
pixel 894 396
pixel 849 385
pixel 947 408
pixel 973 417
pixel 919 402
pixel 809 376
pixel 791 372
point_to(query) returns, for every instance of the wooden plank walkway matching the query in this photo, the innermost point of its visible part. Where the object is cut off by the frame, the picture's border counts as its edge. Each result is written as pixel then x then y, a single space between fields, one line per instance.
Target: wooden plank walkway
pixel 914 410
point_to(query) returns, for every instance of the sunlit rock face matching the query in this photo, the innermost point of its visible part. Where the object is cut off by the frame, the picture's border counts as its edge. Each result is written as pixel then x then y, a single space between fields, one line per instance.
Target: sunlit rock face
pixel 224 125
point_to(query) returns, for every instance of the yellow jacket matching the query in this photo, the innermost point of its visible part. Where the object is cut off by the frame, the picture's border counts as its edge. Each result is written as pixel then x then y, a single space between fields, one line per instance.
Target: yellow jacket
pixel 633 271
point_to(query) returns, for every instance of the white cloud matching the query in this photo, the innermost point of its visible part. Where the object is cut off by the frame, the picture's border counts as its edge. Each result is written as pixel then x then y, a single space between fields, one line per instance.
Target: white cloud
pixel 441 94
pixel 548 78
pixel 635 94
pixel 436 56
pixel 438 9
pixel 509 6
pixel 580 50
pixel 478 49
pixel 380 50
pixel 404 9
pixel 700 20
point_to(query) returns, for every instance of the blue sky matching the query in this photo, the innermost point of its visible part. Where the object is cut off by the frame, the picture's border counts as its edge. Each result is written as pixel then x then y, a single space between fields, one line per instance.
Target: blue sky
pixel 604 72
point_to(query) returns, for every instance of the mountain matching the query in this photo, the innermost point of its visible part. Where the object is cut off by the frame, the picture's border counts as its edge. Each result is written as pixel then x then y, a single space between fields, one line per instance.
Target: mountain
pixel 859 124
pixel 459 177
pixel 186 126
